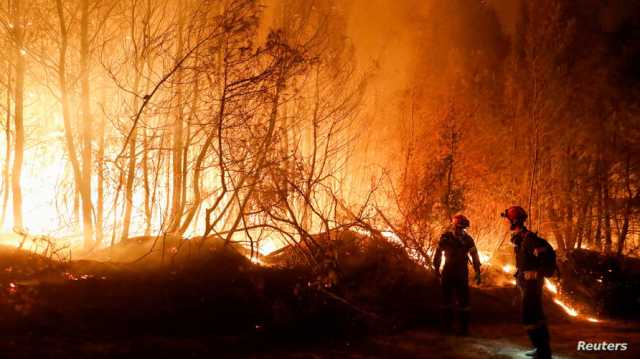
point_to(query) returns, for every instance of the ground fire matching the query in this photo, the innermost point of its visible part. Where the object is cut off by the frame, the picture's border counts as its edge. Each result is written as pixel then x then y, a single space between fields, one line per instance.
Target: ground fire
pixel 320 178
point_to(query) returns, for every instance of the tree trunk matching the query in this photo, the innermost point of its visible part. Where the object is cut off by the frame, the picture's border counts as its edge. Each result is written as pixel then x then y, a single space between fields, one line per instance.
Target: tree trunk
pixel 66 110
pixel 100 175
pixel 19 119
pixel 146 185
pixel 176 202
pixel 555 228
pixel 627 208
pixel 606 209
pixel 131 171
pixel 128 191
pixel 148 197
pixel 599 207
pixel 7 151
pixel 148 203
pixel 185 167
pixel 85 183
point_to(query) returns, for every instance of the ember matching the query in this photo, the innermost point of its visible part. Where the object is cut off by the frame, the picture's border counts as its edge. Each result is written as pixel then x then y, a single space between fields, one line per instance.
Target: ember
pixel 572 312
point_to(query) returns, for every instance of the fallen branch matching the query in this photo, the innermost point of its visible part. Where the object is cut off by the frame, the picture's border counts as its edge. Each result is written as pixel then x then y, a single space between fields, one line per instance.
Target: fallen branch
pixel 350 305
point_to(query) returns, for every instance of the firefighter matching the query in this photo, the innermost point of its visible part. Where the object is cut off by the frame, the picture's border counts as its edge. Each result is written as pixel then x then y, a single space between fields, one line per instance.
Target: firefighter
pixel 528 248
pixel 456 245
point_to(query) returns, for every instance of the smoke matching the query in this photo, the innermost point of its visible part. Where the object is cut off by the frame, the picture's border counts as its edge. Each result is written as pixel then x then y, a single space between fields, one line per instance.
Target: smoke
pixel 390 38
pixel 402 47
pixel 385 35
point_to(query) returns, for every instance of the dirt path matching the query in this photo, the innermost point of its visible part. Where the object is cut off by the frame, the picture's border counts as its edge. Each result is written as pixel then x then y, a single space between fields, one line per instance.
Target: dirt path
pixel 499 341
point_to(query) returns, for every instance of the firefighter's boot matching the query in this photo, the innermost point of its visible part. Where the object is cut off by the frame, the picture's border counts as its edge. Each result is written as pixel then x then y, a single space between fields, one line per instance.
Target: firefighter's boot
pixel 540 339
pixel 447 320
pixel 464 317
pixel 531 353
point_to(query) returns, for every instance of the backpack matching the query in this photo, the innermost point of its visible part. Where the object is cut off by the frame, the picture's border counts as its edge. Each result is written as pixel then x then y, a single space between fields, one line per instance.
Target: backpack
pixel 548 265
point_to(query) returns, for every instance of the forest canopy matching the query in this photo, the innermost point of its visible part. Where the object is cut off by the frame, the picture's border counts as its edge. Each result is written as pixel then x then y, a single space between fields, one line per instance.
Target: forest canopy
pixel 265 123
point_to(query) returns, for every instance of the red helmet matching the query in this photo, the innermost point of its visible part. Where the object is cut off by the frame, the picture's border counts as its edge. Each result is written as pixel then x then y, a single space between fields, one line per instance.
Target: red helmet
pixel 515 215
pixel 460 221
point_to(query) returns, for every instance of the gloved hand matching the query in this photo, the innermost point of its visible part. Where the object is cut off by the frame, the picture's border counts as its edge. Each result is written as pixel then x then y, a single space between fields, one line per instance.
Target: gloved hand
pixel 478 278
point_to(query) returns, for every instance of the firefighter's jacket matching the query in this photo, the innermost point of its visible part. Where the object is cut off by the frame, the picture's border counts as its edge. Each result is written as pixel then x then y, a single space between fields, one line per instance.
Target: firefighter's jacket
pixel 456 251
pixel 527 247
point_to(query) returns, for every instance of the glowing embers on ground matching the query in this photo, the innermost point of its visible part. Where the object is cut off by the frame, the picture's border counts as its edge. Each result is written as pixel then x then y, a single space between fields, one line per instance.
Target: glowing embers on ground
pixel 486 260
pixel 551 287
pixel 76 276
pixel 571 311
pixel 554 290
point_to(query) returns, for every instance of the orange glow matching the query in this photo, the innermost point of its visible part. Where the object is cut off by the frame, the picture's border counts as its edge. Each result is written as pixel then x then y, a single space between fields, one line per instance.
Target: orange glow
pixel 551 286
pixel 485 257
pixel 572 312
pixel 507 268
pixel 267 246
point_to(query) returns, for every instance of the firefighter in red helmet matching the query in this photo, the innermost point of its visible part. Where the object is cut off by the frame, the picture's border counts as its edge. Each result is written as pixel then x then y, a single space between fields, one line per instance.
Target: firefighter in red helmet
pixel 456 245
pixel 529 252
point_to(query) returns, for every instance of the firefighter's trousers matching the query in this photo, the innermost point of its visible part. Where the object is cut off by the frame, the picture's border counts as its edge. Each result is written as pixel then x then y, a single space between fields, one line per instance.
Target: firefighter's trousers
pixel 455 298
pixel 533 317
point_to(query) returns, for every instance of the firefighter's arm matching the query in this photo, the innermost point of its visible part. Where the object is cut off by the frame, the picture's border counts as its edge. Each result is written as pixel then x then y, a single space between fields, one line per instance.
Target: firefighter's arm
pixel 475 258
pixel 437 258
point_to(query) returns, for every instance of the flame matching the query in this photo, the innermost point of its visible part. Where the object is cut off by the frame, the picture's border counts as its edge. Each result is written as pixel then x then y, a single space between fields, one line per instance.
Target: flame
pixel 551 287
pixel 267 246
pixel 572 312
pixel 391 236
pixel 485 257
pixel 361 231
pixel 507 268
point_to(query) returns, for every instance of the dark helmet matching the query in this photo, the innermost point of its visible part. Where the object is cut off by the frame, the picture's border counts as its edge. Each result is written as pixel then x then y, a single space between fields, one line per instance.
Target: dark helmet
pixel 460 221
pixel 516 215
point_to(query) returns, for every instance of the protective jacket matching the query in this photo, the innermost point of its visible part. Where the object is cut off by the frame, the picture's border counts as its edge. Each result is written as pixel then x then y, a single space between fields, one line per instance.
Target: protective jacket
pixel 456 251
pixel 528 248
pixel 455 282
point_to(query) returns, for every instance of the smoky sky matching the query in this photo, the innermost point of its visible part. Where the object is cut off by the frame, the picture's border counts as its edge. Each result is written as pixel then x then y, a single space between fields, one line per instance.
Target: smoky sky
pixel 402 45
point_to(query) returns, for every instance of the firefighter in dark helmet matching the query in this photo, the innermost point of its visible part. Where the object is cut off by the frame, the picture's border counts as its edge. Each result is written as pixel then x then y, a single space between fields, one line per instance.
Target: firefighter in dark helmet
pixel 457 245
pixel 529 250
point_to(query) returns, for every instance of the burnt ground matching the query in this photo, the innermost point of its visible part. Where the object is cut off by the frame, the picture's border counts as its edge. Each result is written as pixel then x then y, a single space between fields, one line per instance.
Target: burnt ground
pixel 221 305
pixel 501 340
pixel 488 341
